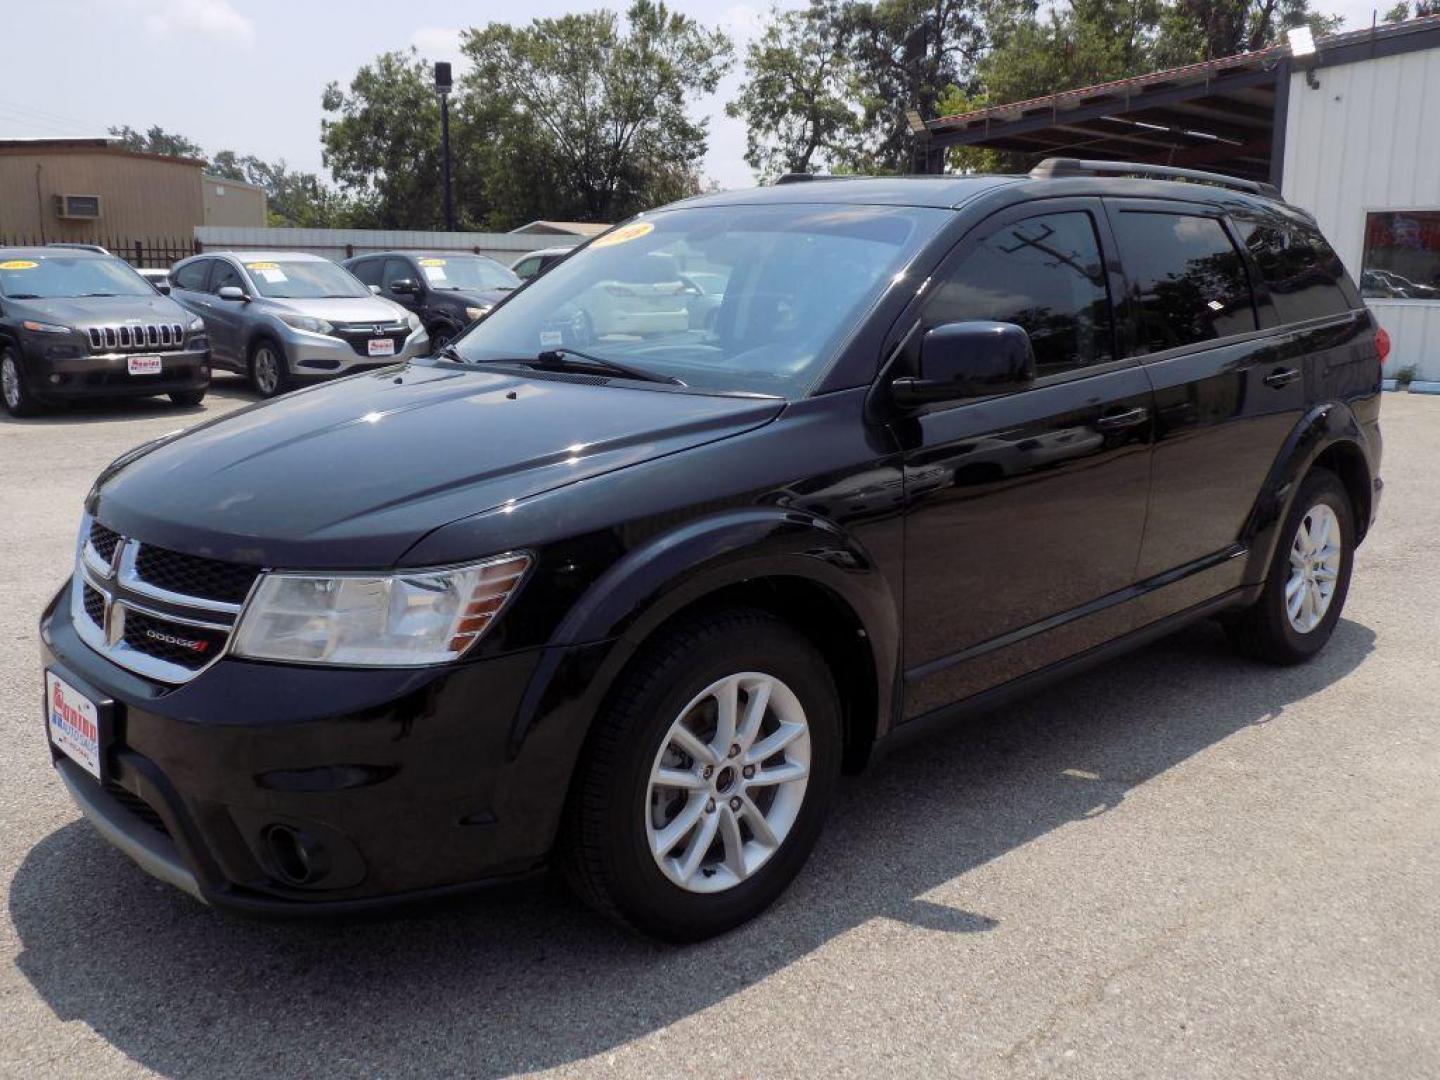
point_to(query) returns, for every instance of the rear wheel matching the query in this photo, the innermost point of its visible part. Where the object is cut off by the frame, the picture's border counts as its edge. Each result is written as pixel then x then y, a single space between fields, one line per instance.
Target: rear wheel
pixel 187 399
pixel 1308 580
pixel 17 397
pixel 269 374
pixel 705 784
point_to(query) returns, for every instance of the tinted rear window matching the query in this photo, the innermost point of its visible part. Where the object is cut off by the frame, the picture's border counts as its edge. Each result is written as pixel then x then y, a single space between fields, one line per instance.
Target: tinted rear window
pixel 1302 271
pixel 1189 282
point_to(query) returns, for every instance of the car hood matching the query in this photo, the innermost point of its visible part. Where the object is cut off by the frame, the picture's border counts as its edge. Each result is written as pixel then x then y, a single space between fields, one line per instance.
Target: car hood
pixel 352 474
pixel 103 310
pixel 477 297
pixel 347 309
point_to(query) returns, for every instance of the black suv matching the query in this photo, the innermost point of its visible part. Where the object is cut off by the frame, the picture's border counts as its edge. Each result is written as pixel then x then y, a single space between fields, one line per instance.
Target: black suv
pixel 76 322
pixel 448 290
pixel 630 605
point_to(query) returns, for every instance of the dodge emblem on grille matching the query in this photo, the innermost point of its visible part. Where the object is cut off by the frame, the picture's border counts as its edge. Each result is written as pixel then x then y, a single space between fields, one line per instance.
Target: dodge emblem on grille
pixel 193 644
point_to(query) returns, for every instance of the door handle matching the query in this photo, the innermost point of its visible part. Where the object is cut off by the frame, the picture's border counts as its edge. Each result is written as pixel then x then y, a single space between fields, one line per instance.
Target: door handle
pixel 1128 418
pixel 1282 377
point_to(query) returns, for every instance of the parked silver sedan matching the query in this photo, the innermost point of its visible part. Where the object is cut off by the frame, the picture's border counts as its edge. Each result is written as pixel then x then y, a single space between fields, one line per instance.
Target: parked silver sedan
pixel 282 317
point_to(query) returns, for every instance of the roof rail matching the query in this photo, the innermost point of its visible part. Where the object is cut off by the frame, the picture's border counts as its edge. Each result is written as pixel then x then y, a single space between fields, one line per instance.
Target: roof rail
pixel 1053 167
pixel 805 177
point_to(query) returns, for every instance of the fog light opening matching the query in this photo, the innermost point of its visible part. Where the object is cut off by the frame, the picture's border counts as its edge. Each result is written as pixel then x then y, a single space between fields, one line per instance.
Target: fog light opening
pixel 298 859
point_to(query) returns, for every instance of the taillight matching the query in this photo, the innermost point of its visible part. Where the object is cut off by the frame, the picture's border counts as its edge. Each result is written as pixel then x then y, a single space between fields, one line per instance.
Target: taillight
pixel 1382 343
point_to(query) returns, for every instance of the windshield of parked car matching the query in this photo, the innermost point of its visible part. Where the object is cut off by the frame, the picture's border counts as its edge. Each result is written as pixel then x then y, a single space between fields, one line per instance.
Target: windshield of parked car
pixel 47 277
pixel 465 272
pixel 302 279
pixel 750 299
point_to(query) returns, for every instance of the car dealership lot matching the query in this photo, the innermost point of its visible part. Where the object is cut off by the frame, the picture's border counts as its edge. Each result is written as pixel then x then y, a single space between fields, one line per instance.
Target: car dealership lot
pixel 1180 864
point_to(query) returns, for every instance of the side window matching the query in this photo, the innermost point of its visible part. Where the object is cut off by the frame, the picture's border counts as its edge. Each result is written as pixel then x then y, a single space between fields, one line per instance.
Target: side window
pixel 1303 272
pixel 397 270
pixel 224 275
pixel 1401 259
pixel 368 270
pixel 525 268
pixel 1044 274
pixel 191 276
pixel 1190 283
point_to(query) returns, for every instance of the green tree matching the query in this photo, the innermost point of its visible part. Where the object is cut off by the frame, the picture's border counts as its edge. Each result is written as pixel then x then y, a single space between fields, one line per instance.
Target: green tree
pixel 604 107
pixel 1192 30
pixel 293 199
pixel 382 143
pixel 157 141
pixel 798 91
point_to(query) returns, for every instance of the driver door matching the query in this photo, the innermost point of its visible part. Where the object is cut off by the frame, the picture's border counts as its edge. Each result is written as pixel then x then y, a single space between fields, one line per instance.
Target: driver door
pixel 1025 511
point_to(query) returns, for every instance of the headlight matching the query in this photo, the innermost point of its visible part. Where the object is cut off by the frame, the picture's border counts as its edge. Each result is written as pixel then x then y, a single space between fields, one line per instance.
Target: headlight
pixel 382 620
pixel 196 325
pixel 305 322
pixel 44 328
pixel 473 313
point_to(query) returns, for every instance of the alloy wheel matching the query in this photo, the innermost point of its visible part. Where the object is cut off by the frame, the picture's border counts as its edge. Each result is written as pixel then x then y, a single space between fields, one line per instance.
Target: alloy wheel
pixel 728 782
pixel 1315 557
pixel 267 370
pixel 10 382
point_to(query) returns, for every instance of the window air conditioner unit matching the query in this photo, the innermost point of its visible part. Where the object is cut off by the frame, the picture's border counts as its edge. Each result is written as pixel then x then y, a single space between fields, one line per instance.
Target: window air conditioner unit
pixel 77 207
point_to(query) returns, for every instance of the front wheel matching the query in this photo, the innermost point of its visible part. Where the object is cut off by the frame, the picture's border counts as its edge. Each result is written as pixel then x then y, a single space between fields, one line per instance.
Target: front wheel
pixel 187 399
pixel 1308 580
pixel 269 373
pixel 17 397
pixel 705 784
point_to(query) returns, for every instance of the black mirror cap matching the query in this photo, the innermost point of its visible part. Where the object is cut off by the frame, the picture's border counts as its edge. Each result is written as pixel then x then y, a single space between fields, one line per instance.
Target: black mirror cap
pixel 231 292
pixel 404 286
pixel 162 287
pixel 969 359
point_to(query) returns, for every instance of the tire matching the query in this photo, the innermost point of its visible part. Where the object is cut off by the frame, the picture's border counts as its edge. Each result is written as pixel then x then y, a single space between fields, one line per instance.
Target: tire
pixel 1269 630
pixel 187 399
pixel 617 812
pixel 267 356
pixel 13 391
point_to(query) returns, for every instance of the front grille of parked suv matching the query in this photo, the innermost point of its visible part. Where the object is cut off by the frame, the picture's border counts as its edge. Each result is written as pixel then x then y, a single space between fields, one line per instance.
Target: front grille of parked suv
pixel 360 334
pixel 162 613
pixel 152 337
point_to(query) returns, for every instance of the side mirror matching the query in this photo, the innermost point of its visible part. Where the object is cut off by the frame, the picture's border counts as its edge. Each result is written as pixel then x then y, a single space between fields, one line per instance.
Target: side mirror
pixel 404 287
pixel 163 288
pixel 968 359
pixel 232 292
pixel 375 289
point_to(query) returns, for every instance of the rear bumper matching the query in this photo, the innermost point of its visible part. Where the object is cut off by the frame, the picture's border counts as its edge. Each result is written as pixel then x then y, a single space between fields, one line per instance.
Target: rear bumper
pixel 102 375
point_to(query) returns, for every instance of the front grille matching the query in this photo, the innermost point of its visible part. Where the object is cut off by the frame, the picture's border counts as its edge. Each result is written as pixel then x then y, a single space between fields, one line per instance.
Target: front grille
pixel 94 605
pixel 191 575
pixel 152 337
pixel 103 540
pixel 190 647
pixel 359 335
pixel 137 806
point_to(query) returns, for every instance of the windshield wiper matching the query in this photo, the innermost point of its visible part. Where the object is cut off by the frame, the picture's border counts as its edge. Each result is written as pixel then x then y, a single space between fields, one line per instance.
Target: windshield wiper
pixel 85 294
pixel 449 352
pixel 563 359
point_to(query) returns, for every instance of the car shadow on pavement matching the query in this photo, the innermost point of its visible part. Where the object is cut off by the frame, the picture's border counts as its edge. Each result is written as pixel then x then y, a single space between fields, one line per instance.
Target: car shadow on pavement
pixel 525 978
pixel 111 410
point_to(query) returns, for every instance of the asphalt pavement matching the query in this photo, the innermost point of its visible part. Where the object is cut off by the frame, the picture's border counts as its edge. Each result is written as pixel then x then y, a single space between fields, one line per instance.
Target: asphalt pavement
pixel 1181 864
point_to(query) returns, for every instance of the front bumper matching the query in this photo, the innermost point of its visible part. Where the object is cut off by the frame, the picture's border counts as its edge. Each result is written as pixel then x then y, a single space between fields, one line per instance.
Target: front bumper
pixel 104 375
pixel 401 782
pixel 318 356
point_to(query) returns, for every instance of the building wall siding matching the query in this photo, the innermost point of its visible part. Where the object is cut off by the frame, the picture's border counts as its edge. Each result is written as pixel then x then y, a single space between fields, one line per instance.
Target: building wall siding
pixel 1364 141
pixel 140 199
pixel 231 204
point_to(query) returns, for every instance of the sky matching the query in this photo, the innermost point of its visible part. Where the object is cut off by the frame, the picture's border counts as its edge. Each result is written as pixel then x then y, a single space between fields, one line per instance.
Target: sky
pixel 247 75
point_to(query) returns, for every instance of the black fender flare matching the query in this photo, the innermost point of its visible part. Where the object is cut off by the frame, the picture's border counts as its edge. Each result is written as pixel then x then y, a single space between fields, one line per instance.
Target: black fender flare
pixel 680 568
pixel 1328 426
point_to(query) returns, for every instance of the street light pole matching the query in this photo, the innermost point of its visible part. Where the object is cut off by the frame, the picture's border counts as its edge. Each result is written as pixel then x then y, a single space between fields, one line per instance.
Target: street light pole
pixel 442 88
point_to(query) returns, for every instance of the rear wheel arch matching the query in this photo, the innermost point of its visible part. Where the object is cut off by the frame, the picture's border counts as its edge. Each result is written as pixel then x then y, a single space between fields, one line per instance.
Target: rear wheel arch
pixel 1346 460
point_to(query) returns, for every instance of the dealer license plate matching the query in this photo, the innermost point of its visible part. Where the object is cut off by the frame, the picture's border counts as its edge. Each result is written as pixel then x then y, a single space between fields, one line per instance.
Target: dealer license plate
pixel 74 722
pixel 143 365
pixel 382 347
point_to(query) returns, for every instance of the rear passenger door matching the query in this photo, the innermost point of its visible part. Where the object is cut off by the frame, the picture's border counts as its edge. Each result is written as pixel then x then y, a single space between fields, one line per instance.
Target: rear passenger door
pixel 1024 512
pixel 1227 393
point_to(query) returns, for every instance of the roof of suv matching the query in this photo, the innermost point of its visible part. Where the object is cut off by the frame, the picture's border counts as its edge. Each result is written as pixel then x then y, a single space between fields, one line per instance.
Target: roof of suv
pixel 51 253
pixel 271 256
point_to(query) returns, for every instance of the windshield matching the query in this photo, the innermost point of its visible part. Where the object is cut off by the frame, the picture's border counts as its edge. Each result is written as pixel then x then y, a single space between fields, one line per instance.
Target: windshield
pixel 465 272
pixel 46 277
pixel 748 299
pixel 303 280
